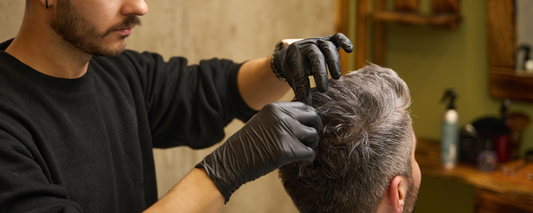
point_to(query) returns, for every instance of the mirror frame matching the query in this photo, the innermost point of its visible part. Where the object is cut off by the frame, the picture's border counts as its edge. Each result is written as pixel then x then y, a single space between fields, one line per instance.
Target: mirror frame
pixel 504 81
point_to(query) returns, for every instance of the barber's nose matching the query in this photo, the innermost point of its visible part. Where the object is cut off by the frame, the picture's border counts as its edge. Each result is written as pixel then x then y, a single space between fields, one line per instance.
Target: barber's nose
pixel 136 7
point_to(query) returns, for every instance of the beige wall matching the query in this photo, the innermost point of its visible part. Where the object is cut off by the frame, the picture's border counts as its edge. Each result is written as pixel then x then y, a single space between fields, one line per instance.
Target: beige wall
pixel 202 29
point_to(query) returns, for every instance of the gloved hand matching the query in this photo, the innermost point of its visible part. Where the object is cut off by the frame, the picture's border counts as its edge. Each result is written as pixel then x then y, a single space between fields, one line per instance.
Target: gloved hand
pixel 281 133
pixel 305 57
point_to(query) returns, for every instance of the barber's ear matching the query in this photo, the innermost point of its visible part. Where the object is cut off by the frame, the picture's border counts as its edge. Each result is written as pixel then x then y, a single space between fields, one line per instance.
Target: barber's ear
pixel 397 193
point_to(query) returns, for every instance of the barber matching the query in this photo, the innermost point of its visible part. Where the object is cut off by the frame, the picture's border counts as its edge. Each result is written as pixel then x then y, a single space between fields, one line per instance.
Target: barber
pixel 79 115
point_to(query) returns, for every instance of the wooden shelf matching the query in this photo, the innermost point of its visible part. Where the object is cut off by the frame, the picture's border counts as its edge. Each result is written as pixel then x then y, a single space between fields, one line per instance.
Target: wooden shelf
pixel 498 183
pixel 446 19
pixel 444 13
pixel 509 83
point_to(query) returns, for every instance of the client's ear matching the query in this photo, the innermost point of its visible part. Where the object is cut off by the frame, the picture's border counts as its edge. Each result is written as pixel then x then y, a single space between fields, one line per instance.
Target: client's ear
pixel 396 193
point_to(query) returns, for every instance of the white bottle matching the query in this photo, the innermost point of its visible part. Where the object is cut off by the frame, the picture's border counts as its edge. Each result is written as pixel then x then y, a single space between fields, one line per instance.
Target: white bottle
pixel 449 143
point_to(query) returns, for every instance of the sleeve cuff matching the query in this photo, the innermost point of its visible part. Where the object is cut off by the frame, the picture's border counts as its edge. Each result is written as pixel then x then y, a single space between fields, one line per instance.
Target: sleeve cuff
pixel 237 104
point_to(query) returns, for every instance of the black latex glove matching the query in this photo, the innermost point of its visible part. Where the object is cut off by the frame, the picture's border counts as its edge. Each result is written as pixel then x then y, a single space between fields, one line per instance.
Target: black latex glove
pixel 309 57
pixel 281 133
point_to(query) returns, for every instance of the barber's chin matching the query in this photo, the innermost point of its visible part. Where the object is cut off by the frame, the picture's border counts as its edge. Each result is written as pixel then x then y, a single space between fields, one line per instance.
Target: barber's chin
pixel 114 53
pixel 109 52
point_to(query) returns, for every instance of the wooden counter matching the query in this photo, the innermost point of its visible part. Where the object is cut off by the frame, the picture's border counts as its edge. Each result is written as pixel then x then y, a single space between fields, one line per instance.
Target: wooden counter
pixel 514 193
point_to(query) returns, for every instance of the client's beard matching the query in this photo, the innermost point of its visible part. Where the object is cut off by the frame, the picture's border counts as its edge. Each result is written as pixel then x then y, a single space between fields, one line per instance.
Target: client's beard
pixel 412 197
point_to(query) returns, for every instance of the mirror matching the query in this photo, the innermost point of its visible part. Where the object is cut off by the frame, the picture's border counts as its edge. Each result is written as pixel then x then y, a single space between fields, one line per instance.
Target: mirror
pixel 524 35
pixel 505 81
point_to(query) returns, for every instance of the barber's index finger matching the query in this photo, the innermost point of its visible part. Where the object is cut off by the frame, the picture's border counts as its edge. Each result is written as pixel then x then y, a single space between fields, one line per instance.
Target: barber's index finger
pixel 344 42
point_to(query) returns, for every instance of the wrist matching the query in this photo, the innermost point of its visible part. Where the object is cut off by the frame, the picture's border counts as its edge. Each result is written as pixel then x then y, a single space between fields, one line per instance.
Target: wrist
pixel 276 57
pixel 195 193
pixel 276 69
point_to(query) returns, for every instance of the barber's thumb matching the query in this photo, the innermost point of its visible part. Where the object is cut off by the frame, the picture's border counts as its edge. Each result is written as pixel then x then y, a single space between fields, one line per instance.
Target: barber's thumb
pixel 303 94
pixel 298 152
pixel 308 155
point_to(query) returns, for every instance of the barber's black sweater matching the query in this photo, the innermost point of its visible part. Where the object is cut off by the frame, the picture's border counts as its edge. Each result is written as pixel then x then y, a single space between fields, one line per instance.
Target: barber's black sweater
pixel 85 145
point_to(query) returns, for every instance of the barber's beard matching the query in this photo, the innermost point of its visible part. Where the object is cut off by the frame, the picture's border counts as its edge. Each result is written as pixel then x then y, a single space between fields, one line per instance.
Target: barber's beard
pixel 412 197
pixel 68 23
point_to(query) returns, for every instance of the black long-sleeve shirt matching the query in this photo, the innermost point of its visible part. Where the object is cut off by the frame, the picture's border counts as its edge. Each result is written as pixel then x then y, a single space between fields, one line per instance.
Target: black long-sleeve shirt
pixel 85 144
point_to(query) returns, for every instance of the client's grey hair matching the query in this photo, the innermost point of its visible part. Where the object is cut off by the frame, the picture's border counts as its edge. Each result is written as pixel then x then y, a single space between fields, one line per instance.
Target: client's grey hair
pixel 366 141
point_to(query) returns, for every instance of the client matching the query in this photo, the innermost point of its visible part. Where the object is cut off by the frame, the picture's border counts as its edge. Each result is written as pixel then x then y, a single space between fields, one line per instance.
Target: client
pixel 365 160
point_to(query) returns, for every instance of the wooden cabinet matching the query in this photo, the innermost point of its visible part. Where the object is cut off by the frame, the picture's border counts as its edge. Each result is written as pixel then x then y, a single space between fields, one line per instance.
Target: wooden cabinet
pixel 492 202
pixel 495 192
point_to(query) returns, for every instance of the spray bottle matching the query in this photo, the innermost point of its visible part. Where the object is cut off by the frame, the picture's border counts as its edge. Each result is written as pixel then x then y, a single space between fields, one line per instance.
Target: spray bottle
pixel 449 132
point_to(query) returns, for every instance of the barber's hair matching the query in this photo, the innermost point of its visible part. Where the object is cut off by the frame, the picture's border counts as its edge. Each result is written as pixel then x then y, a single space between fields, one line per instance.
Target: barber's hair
pixel 366 141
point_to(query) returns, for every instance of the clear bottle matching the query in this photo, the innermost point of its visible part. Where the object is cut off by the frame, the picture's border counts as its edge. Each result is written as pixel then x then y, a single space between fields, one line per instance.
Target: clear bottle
pixel 487 160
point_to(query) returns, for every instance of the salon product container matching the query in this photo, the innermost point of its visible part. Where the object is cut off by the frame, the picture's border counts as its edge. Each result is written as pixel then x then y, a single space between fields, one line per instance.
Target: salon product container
pixel 449 132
